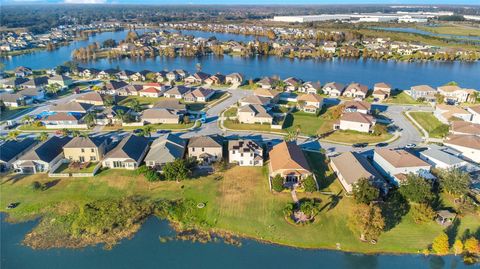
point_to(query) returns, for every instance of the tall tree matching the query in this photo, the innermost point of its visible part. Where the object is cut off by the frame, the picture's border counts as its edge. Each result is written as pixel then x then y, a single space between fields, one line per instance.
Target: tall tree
pixel 455 181
pixel 364 192
pixel 368 219
pixel 417 189
pixel 42 136
pixel 440 244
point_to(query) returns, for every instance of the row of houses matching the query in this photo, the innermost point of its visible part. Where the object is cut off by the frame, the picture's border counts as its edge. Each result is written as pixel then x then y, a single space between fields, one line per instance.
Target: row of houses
pixel 452 93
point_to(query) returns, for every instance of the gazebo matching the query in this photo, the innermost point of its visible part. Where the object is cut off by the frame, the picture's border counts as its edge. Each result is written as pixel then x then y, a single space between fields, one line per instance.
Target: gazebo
pixel 445 217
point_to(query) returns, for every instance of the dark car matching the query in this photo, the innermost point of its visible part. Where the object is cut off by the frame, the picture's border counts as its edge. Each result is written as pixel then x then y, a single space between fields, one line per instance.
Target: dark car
pixel 360 145
pixel 137 131
pixel 381 145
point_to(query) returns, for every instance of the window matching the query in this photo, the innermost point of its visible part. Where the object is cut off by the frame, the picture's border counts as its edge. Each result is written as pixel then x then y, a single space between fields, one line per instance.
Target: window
pixel 83 150
pixel 92 150
pixel 203 149
pixel 93 158
pixel 193 149
pixel 241 154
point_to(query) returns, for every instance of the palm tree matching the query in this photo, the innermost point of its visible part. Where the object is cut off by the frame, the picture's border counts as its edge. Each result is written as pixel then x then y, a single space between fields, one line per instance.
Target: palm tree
pixel 13 135
pixel 89 119
pixel 42 136
pixel 53 88
pixel 27 119
pixel 64 132
pixel 120 114
pixel 147 131
pixel 75 133
pixel 135 105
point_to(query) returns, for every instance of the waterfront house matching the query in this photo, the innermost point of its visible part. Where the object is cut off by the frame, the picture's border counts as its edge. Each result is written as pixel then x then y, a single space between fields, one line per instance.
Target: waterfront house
pixel 350 167
pixel 172 76
pixel 160 115
pixel 333 89
pixel 292 84
pixel 43 157
pixel 88 72
pixel 310 87
pixel 251 114
pixel 61 80
pixel 11 150
pixel 455 94
pixel 310 103
pixel 165 149
pixel 396 164
pixel 216 79
pixel 288 161
pixel 22 71
pixel 128 154
pixel 358 106
pixel 205 149
pixel 356 90
pixel 475 111
pixel 265 83
pixel 355 121
pixel 423 91
pixel 272 94
pixel 464 128
pixel 445 113
pixel 107 73
pixel 197 78
pixel 92 98
pixel 199 95
pixel 468 145
pixel 85 149
pixel 381 91
pixel 245 153
pixel 234 78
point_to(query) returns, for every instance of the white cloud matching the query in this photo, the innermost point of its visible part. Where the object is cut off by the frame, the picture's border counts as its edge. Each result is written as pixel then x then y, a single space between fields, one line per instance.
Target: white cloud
pixel 85 1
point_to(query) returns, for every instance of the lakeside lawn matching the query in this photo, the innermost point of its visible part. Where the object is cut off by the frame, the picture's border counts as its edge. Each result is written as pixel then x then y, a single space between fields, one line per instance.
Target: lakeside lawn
pixel 400 97
pixel 431 124
pixel 240 203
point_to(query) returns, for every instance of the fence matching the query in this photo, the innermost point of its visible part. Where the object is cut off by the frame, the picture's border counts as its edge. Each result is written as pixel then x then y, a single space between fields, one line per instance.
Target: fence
pixel 66 126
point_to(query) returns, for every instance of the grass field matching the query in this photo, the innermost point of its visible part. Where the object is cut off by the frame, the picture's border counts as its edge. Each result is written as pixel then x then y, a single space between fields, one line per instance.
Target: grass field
pixel 400 97
pixel 453 29
pixel 12 111
pixel 431 124
pixel 231 112
pixel 352 137
pixel 254 127
pixel 240 203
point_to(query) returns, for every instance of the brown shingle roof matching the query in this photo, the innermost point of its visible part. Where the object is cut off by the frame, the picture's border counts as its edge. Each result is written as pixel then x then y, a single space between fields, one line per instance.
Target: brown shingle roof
pixel 468 141
pixel 310 98
pixel 204 142
pixel 363 105
pixel 357 117
pixel 354 166
pixel 288 156
pixel 400 158
pixel 466 127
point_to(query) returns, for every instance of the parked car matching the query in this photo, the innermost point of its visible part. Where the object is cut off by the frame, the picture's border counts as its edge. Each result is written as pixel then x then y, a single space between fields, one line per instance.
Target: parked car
pixel 360 145
pixel 410 146
pixel 380 145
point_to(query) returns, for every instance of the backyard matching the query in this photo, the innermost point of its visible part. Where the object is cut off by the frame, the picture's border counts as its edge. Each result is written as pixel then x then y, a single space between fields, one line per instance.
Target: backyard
pixel 66 168
pixel 431 124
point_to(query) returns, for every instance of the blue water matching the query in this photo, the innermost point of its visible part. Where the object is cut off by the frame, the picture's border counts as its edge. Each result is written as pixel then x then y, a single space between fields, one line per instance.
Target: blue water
pixel 400 74
pixel 145 250
pixel 422 32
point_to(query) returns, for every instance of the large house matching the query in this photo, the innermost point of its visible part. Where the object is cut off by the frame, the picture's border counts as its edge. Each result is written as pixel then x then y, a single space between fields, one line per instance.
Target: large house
pixel 160 115
pixel 205 149
pixel 85 149
pixel 440 158
pixel 356 90
pixel 197 78
pixel 254 100
pixel 350 167
pixel 310 87
pixel 61 80
pixel 268 93
pixel 152 92
pixel 423 91
pixel 312 102
pixel 128 154
pixel 254 114
pixel 381 91
pixel 245 153
pixel 62 120
pixel 288 161
pixel 397 163
pixel 358 106
pixel 455 94
pixel 177 92
pixel 11 150
pixel 356 121
pixel 445 113
pixel 333 89
pixel 199 95
pixel 42 157
pixel 92 98
pixel 165 149
pixel 468 145
pixel 234 78
pixel 72 107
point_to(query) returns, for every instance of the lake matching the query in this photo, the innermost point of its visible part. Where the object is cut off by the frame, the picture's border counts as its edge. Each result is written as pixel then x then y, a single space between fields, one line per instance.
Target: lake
pixel 400 74
pixel 145 250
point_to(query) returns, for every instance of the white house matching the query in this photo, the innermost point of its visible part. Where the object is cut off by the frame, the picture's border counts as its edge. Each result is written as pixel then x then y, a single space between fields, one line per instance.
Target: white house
pixel 468 145
pixel 333 89
pixel 245 153
pixel 444 113
pixel 397 163
pixel 441 159
pixel 475 110
pixel 356 121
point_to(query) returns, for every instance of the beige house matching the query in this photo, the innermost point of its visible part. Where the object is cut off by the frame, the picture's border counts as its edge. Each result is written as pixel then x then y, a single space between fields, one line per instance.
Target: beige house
pixel 468 145
pixel 254 114
pixel 358 106
pixel 205 149
pixel 84 149
pixel 350 167
pixel 445 113
pixel 312 103
pixel 288 161
pixel 333 89
pixel 92 98
pixel 454 93
pixel 199 95
pixel 272 94
pixel 381 91
pixel 356 90
pixel 234 78
pixel 356 121
pixel 475 111
pixel 61 80
pixel 160 115
pixel 245 153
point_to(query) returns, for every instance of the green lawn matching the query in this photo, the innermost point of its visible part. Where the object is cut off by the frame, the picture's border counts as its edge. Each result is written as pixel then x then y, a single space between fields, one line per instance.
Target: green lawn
pixel 159 126
pixel 12 111
pixel 142 100
pixel 400 97
pixel 431 124
pixel 451 29
pixel 65 169
pixel 28 127
pixel 231 112
pixel 308 123
pixel 254 127
pixel 352 137
pixel 240 203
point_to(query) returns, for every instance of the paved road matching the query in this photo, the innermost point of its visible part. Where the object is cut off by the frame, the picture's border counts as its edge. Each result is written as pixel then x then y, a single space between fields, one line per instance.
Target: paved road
pixel 408 133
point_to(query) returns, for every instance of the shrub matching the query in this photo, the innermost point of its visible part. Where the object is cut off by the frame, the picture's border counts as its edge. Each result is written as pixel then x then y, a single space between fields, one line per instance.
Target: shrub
pixel 422 213
pixel 36 186
pixel 152 176
pixel 309 184
pixel 277 183
pixel 440 244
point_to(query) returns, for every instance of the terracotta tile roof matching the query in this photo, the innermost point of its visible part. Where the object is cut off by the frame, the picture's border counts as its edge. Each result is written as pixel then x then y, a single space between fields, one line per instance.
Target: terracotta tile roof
pixel 288 156
pixel 150 90
pixel 400 158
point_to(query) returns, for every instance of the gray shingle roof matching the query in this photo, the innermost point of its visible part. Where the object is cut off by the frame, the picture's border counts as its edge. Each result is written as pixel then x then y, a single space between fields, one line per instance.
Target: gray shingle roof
pixel 47 151
pixel 166 149
pixel 131 147
pixel 10 149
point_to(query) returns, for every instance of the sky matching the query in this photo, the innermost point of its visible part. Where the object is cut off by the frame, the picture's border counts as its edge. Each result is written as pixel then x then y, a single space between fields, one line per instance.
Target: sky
pixel 245 2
